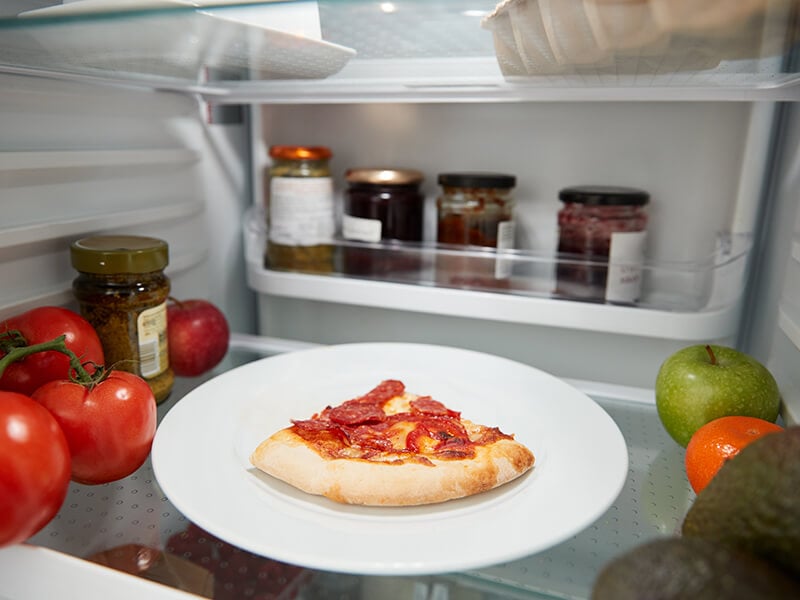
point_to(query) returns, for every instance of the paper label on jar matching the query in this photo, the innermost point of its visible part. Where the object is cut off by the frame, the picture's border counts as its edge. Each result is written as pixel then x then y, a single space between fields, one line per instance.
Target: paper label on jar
pixel 152 329
pixel 301 211
pixel 505 241
pixel 360 229
pixel 625 257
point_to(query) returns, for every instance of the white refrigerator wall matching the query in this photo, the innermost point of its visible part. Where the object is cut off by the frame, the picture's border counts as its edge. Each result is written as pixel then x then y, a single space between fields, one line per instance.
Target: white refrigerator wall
pixel 772 330
pixel 702 163
pixel 687 155
pixel 78 159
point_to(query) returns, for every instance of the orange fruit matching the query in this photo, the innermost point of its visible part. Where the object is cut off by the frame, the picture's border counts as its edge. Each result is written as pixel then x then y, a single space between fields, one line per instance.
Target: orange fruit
pixel 718 441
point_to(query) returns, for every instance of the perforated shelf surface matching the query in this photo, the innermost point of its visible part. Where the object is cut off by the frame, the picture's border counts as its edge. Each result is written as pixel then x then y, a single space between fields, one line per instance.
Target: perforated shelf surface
pixel 653 502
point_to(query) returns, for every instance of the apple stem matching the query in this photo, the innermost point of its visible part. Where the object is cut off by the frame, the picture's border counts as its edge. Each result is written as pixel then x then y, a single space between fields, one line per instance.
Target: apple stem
pixel 711 355
pixel 175 301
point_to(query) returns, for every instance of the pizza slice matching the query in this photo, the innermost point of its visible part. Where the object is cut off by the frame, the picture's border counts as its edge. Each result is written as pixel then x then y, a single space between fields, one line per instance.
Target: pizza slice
pixel 390 447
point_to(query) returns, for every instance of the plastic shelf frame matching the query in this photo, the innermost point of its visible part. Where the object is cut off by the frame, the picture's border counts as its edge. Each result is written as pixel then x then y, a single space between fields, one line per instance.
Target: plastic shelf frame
pixel 693 300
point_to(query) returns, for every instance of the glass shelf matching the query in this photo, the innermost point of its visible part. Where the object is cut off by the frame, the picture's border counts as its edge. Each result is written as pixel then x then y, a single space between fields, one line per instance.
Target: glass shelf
pixel 410 50
pixel 132 515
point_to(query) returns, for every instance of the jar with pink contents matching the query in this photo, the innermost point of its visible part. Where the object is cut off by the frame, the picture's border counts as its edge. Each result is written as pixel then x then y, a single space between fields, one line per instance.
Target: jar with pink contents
pixel 602 232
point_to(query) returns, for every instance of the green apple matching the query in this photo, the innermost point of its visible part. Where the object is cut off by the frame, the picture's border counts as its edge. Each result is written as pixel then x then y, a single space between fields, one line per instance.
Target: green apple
pixel 701 383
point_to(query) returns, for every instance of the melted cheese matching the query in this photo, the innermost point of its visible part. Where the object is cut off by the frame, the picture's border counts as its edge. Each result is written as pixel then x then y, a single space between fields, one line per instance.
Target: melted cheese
pixel 399 404
pixel 398 434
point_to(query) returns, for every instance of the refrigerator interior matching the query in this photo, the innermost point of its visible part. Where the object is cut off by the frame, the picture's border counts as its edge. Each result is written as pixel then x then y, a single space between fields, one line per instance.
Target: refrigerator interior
pixel 121 145
pixel 697 175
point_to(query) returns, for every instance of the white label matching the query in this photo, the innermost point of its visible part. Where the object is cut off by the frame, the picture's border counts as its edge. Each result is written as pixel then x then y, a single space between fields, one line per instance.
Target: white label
pixel 625 257
pixel 505 241
pixel 360 229
pixel 152 329
pixel 301 211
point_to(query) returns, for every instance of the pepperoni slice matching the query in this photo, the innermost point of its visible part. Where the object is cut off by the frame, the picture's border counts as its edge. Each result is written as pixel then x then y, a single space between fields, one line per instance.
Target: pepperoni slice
pixel 428 406
pixel 312 424
pixel 446 428
pixel 369 407
pixel 383 392
pixel 354 412
pixel 368 437
pixel 414 436
pixel 451 437
pixel 322 436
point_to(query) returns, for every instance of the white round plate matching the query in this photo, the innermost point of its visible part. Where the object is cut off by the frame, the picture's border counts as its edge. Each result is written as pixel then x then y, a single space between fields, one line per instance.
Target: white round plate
pixel 202 447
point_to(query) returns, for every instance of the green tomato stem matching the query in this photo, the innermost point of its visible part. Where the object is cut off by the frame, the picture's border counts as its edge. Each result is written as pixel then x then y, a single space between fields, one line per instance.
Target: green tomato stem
pixel 11 339
pixel 57 345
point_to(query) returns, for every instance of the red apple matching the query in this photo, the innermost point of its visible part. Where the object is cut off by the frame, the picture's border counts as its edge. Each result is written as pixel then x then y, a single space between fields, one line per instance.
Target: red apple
pixel 197 335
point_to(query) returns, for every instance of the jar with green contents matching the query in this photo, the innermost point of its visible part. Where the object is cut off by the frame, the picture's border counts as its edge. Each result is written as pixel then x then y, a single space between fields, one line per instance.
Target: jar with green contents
pixel 122 291
pixel 301 217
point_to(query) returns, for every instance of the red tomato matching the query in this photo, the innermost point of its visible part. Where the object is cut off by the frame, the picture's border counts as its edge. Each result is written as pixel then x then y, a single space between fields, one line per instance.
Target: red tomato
pixel 43 325
pixel 34 467
pixel 109 427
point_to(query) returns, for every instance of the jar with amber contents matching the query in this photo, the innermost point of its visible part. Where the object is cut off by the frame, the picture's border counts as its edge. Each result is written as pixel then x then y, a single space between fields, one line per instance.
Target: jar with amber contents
pixel 475 209
pixel 122 291
pixel 301 219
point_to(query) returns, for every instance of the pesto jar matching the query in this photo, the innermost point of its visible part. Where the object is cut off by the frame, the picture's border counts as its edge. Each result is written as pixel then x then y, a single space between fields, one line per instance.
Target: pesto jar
pixel 122 291
pixel 301 215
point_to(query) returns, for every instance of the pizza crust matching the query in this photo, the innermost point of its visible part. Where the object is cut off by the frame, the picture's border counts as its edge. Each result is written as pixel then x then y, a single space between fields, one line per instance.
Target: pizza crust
pixel 286 456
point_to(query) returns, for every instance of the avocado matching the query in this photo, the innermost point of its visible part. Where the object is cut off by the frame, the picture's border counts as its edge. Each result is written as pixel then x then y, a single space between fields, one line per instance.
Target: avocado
pixel 677 568
pixel 753 502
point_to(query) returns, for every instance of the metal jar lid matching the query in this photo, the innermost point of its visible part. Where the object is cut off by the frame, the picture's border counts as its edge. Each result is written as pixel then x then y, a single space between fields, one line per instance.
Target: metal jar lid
pixel 380 176
pixel 110 254
pixel 477 179
pixel 604 195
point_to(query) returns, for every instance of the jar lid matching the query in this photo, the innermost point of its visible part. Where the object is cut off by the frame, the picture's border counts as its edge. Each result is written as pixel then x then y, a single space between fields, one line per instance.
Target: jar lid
pixel 110 254
pixel 376 176
pixel 300 152
pixel 604 195
pixel 477 179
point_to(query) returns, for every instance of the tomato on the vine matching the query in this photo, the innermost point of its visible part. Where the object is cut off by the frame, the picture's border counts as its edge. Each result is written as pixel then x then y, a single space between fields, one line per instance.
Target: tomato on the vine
pixel 109 425
pixel 34 467
pixel 42 325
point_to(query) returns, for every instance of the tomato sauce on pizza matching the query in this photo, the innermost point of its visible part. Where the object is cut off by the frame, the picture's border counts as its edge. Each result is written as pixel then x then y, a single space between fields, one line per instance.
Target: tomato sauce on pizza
pixel 361 428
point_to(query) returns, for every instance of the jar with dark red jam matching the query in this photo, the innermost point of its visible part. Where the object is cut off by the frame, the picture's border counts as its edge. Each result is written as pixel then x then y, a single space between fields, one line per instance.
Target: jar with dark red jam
pixel 382 206
pixel 475 209
pixel 601 242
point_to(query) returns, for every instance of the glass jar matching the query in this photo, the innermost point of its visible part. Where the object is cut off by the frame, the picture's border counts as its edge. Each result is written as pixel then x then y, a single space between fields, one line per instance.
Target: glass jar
pixel 122 291
pixel 602 231
pixel 382 205
pixel 475 209
pixel 300 209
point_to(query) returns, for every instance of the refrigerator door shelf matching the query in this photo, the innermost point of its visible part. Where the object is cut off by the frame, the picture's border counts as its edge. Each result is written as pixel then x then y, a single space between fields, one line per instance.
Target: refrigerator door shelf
pixel 625 320
pixel 679 301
